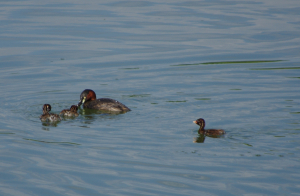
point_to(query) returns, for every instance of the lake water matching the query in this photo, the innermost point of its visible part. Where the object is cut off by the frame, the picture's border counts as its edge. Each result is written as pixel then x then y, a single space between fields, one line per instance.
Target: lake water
pixel 234 63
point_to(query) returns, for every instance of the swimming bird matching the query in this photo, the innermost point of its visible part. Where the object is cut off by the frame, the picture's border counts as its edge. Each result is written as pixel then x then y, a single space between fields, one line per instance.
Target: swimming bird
pixel 208 132
pixel 46 116
pixel 88 99
pixel 72 112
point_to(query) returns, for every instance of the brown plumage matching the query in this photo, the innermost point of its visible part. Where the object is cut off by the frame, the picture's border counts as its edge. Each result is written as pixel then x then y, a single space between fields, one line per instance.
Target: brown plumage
pixel 208 132
pixel 72 112
pixel 46 116
pixel 88 99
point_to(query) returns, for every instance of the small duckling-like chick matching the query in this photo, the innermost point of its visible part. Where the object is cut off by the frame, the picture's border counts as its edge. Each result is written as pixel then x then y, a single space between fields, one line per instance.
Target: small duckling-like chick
pixel 88 99
pixel 46 116
pixel 208 132
pixel 72 112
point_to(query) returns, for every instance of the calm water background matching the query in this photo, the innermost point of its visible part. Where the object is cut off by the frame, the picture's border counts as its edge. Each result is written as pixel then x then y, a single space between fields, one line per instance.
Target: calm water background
pixel 155 57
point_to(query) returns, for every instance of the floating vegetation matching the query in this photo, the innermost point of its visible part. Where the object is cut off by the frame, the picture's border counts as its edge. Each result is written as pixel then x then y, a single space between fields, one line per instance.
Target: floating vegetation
pixel 229 62
pixel 52 91
pixel 248 144
pixel 294 112
pixel 138 95
pixel 69 143
pixel 6 133
pixel 203 99
pixel 238 62
pixel 177 101
pixel 129 68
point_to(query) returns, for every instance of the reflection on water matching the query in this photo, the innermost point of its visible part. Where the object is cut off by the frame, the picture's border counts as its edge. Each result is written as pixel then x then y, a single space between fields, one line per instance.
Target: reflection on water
pixel 92 112
pixel 229 62
pixel 68 117
pixel 50 124
pixel 199 139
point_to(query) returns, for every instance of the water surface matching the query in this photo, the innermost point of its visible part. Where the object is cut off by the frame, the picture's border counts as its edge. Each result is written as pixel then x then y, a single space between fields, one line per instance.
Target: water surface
pixel 235 64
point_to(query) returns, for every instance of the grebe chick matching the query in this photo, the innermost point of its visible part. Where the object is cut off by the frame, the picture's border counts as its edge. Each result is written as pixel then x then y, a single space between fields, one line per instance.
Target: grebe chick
pixel 208 132
pixel 72 112
pixel 88 99
pixel 46 116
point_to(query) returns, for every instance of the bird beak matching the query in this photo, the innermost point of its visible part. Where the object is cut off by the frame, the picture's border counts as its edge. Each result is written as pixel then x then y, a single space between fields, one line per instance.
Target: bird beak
pixel 81 101
pixel 195 122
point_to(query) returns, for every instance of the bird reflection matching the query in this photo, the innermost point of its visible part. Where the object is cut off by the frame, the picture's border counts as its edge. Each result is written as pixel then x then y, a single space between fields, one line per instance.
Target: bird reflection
pixel 199 139
pixel 214 133
pixel 90 115
pixel 88 112
pixel 50 124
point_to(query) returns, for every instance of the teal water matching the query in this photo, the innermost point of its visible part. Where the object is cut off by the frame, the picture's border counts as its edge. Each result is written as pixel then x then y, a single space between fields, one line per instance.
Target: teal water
pixel 233 63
